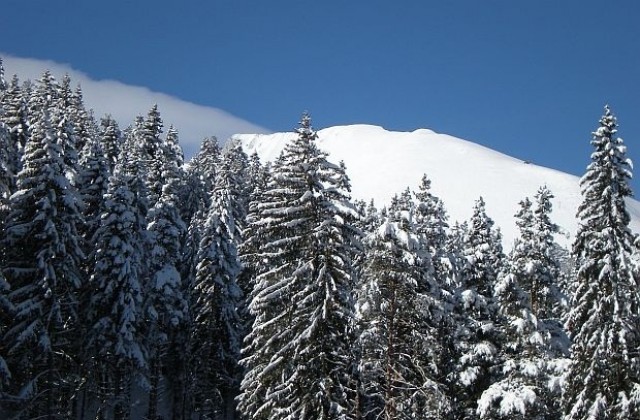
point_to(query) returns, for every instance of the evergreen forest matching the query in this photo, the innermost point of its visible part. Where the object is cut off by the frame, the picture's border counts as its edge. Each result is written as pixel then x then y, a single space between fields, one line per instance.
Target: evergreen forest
pixel 137 285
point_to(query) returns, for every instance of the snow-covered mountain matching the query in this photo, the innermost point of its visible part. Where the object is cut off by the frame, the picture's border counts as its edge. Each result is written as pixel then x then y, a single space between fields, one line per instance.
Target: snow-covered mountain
pixel 382 163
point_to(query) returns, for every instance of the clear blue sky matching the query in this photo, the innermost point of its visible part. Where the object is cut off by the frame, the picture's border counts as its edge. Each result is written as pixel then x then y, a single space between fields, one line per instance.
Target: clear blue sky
pixel 528 78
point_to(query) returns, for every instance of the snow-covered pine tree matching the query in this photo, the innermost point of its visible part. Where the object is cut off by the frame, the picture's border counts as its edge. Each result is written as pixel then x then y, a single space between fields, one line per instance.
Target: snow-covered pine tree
pixel 199 179
pixel 42 264
pixel 43 93
pixel 477 334
pixel 14 102
pixel 145 145
pixel 217 329
pixel 257 176
pixel 171 148
pixel 62 119
pixel 239 163
pixel 604 377
pixel 521 389
pixel 397 344
pixel 93 182
pixel 165 301
pixel 3 82
pixel 432 227
pixel 7 180
pixel 85 126
pixel 297 357
pixel 111 139
pixel 249 250
pixel 7 176
pixel 115 341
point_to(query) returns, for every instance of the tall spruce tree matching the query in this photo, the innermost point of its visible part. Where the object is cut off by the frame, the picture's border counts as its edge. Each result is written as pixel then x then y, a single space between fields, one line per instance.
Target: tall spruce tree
pixel 477 331
pixel 165 300
pixel 15 116
pixel 297 357
pixel 114 340
pixel 7 176
pixel 111 139
pixel 397 344
pixel 604 377
pixel 43 260
pixel 520 391
pixel 217 329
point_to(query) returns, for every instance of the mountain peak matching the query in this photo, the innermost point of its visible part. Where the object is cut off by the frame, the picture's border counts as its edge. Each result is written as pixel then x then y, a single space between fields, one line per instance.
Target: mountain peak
pixel 382 163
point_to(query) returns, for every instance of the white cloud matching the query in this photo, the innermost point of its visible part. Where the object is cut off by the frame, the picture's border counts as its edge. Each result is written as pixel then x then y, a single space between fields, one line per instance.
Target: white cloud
pixel 124 102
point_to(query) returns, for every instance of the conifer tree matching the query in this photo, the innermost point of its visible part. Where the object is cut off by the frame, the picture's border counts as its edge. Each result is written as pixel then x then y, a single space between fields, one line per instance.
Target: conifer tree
pixel 93 182
pixel 85 126
pixel 604 377
pixel 200 177
pixel 165 300
pixel 62 120
pixel 111 139
pixel 171 148
pixel 432 227
pixel 151 157
pixel 43 261
pixel 6 185
pixel 7 176
pixel 3 82
pixel 477 334
pixel 397 344
pixel 521 390
pixel 238 162
pixel 114 339
pixel 144 144
pixel 14 116
pixel 217 329
pixel 297 357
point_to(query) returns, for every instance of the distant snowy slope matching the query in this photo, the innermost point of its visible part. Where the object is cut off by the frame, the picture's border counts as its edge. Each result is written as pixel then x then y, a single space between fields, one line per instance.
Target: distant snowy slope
pixel 382 163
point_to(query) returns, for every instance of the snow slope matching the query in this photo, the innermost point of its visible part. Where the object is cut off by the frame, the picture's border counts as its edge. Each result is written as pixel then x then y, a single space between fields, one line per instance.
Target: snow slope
pixel 382 163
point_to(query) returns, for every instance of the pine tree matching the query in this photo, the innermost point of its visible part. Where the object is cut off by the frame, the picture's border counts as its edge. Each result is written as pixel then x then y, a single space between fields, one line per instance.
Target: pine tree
pixel 297 357
pixel 150 153
pixel 604 377
pixel 111 139
pixel 3 82
pixel 165 301
pixel 398 344
pixel 218 329
pixel 85 126
pixel 171 148
pixel 432 227
pixel 62 120
pixel 15 116
pixel 477 335
pixel 199 179
pixel 43 260
pixel 521 391
pixel 93 182
pixel 7 176
pixel 114 339
pixel 249 249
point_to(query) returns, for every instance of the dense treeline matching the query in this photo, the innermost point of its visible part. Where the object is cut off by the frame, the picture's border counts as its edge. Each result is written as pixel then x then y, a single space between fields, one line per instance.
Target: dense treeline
pixel 137 285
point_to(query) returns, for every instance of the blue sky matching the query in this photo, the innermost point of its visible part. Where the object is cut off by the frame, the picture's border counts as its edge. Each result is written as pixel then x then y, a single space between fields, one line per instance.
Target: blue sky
pixel 527 78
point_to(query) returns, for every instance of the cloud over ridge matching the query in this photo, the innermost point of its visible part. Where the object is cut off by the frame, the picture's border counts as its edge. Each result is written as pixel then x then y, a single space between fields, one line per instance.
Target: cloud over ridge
pixel 124 102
